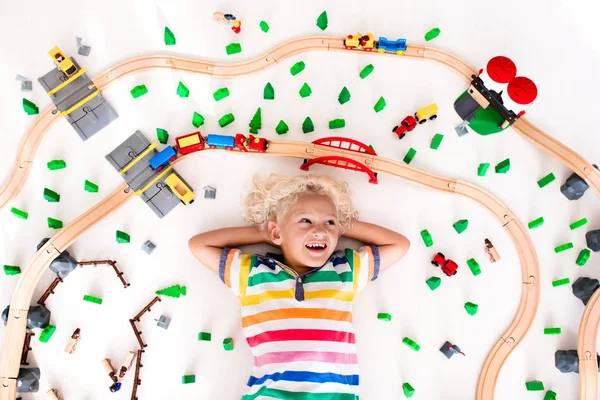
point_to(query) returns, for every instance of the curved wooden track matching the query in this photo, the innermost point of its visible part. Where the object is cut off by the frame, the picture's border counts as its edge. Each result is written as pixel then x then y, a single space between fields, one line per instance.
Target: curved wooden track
pixel 11 352
pixel 530 293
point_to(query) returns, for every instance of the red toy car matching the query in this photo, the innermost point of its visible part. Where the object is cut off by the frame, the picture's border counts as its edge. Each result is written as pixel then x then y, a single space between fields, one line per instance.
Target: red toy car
pixel 449 267
pixel 408 124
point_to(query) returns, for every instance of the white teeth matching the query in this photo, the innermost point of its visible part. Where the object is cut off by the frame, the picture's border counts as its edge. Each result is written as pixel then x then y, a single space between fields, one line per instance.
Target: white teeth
pixel 316 246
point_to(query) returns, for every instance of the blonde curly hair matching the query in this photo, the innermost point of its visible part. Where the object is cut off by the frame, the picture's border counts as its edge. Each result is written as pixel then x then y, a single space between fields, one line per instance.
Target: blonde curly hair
pixel 272 195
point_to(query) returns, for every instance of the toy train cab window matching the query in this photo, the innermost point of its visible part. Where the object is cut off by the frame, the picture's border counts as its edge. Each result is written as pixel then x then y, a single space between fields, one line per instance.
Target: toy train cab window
pixel 62 62
pixel 190 143
pixel 180 189
pixel 424 113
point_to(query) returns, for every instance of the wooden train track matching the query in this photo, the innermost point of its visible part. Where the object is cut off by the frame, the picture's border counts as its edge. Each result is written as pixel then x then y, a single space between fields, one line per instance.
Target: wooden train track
pixel 529 265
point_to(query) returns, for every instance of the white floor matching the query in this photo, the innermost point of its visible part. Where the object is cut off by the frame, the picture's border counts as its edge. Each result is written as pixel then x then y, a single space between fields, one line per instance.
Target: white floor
pixel 552 42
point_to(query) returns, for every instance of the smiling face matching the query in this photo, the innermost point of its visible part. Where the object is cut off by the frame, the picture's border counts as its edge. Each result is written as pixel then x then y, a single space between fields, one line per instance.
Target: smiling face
pixel 307 232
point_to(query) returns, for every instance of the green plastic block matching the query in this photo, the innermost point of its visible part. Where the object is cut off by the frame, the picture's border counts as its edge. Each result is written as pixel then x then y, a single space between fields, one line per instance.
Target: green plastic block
pixel 138 91
pixel 56 164
pixel 322 21
pixel 228 344
pixel 197 120
pixel 54 223
pixel 474 266
pixel 583 257
pixel 182 90
pixel 47 333
pixel 410 154
pixel 426 236
pixel 297 68
pixel 534 385
pixel 188 379
pixel 233 48
pixel 344 95
pixel 30 108
pixel 503 166
pixel 366 71
pixel 560 282
pixel 51 196
pixel 264 26
pixel 204 336
pixel 256 122
pixel 432 34
pixel 408 390
pixel 163 135
pixel 122 237
pixel 434 282
pixel 536 223
pixel 226 120
pixel 546 180
pixel 380 105
pixel 550 395
pixel 461 225
pixel 220 94
pixel 482 169
pixel 169 37
pixel 372 148
pixel 281 128
pixel 19 213
pixel 436 141
pixel 578 223
pixel 337 123
pixel 173 291
pixel 269 92
pixel 411 343
pixel 384 316
pixel 90 187
pixel 305 90
pixel 12 270
pixel 552 331
pixel 92 299
pixel 563 247
pixel 307 125
pixel 471 308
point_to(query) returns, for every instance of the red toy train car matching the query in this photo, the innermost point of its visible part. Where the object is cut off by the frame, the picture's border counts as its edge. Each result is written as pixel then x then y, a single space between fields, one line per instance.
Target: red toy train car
pixel 189 143
pixel 449 267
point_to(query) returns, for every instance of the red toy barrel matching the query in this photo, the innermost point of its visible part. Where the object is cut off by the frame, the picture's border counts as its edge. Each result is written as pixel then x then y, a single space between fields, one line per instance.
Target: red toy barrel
pixel 498 73
pixel 520 94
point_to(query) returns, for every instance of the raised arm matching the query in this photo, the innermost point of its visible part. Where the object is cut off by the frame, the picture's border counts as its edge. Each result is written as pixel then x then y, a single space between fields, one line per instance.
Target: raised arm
pixel 392 245
pixel 207 247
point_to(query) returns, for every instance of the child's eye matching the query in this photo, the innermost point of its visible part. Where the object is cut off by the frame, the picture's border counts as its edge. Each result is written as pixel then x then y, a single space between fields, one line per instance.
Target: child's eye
pixel 305 220
pixel 330 222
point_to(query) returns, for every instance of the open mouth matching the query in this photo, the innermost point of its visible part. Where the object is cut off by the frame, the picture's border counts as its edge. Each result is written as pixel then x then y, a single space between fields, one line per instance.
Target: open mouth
pixel 316 247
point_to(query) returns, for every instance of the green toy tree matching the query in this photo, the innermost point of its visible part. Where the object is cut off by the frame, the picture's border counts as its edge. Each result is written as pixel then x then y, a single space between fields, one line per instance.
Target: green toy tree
pixel 256 122
pixel 173 291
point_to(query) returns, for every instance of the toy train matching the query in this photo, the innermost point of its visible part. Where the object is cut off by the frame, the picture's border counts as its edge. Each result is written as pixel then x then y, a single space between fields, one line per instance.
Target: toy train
pixel 368 43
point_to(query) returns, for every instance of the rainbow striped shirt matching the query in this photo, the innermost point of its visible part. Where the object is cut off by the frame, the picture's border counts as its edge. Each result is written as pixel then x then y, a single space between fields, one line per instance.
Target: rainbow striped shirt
pixel 299 327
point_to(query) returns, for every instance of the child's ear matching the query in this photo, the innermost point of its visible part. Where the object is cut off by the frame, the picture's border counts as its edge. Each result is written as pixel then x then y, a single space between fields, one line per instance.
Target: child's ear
pixel 274 232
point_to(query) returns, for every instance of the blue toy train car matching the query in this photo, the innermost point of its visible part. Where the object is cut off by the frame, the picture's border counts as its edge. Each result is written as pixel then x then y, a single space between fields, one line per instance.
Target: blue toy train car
pixel 162 159
pixel 397 46
pixel 220 141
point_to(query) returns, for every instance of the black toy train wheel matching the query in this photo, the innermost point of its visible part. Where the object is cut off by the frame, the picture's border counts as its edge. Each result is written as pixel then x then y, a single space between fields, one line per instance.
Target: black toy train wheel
pixel 394 130
pixel 441 255
pixel 435 264
pixel 422 121
pixel 401 136
pixel 433 117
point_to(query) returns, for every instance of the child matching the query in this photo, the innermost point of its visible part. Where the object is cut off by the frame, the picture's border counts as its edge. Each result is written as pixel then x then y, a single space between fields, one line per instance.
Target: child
pixel 297 307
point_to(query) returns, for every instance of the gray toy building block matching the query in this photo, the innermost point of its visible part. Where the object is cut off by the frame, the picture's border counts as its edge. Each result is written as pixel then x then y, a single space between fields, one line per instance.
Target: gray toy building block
pixel 584 288
pixel 81 48
pixel 461 130
pixel 448 349
pixel 566 361
pixel 209 192
pixel 37 317
pixel 163 322
pixel 26 84
pixel 148 247
pixel 28 380
pixel 61 265
pixel 574 187
pixel 592 239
